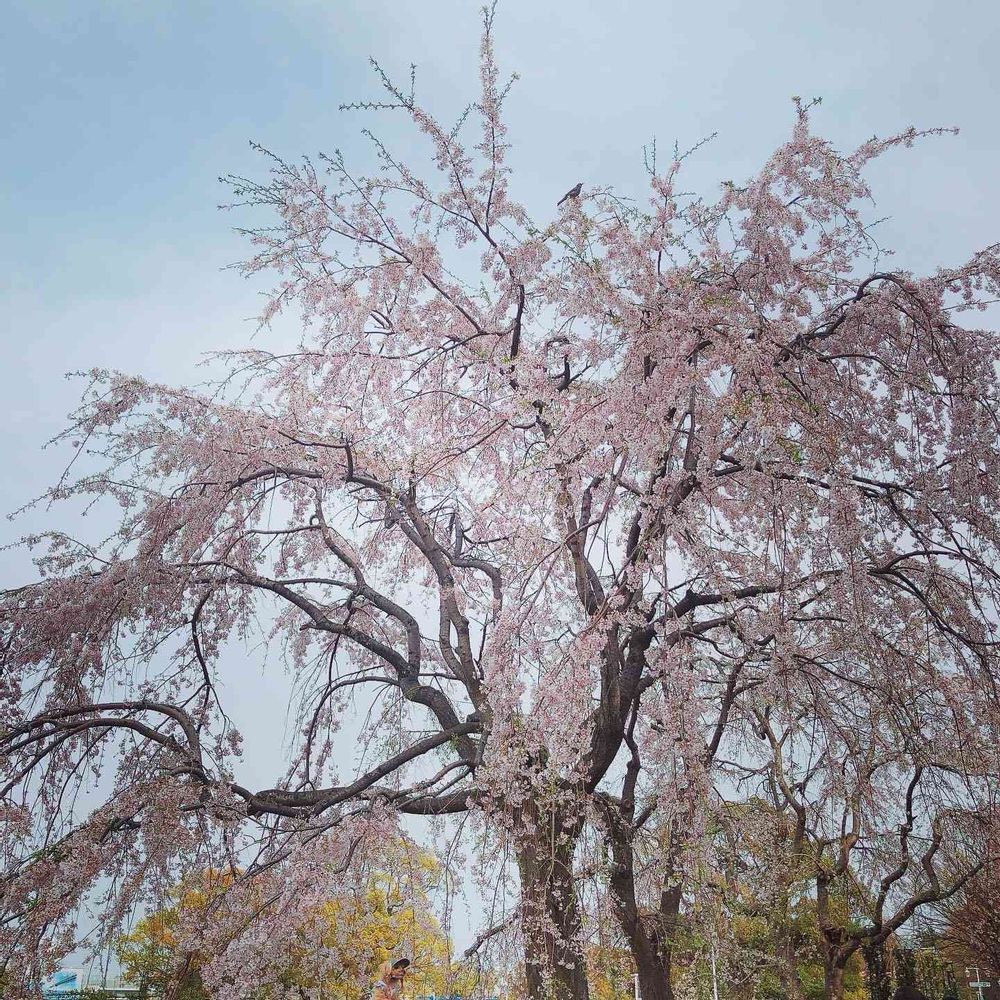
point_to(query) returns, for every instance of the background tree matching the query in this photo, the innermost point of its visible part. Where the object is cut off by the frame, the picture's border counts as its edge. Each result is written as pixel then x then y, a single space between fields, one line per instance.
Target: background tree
pixel 971 933
pixel 884 833
pixel 384 917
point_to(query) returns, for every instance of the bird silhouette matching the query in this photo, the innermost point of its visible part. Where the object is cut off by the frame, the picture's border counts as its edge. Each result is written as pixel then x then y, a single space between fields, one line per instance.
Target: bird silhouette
pixel 573 192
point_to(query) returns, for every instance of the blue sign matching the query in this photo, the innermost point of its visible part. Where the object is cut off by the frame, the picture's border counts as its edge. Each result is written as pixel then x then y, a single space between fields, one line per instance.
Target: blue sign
pixel 63 981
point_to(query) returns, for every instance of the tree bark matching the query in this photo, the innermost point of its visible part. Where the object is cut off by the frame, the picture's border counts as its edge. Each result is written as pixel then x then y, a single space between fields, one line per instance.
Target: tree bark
pixel 785 951
pixel 790 837
pixel 879 982
pixel 650 935
pixel 833 980
pixel 832 934
pixel 554 964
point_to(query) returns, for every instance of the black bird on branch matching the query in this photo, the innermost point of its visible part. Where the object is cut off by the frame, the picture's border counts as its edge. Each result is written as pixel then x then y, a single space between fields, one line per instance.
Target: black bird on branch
pixel 573 192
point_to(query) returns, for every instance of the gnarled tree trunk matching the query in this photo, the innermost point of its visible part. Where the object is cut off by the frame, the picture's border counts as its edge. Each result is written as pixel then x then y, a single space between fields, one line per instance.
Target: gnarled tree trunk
pixel 833 980
pixel 879 981
pixel 554 964
pixel 785 951
pixel 650 935
pixel 833 936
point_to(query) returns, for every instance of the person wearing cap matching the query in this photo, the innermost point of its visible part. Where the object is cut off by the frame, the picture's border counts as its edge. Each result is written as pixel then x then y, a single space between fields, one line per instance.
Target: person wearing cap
pixel 390 980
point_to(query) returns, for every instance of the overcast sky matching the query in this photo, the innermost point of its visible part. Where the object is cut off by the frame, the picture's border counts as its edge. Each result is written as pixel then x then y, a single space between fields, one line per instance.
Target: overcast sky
pixel 118 118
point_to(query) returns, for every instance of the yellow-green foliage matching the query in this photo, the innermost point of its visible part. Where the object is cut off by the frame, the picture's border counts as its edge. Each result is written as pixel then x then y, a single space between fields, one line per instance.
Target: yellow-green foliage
pixel 610 972
pixel 388 915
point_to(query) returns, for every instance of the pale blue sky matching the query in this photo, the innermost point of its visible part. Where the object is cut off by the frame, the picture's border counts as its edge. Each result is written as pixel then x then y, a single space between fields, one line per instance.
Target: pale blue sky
pixel 119 115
